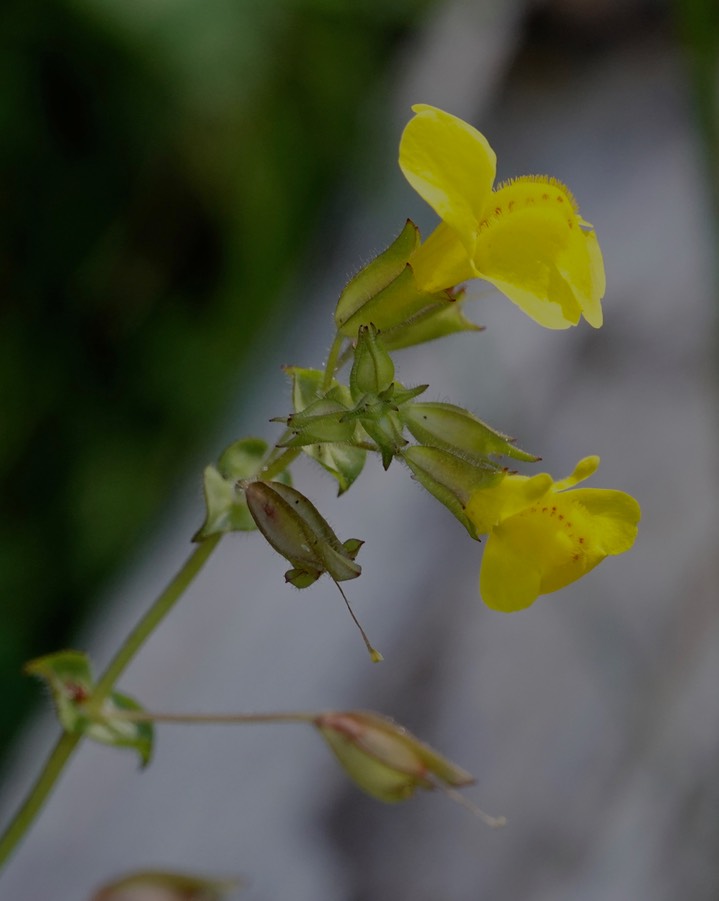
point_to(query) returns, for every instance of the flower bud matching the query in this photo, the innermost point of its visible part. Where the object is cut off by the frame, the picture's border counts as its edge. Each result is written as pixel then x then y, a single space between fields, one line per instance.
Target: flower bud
pixel 458 431
pixel 373 369
pixel 383 758
pixel 161 885
pixel 297 531
pixel 450 478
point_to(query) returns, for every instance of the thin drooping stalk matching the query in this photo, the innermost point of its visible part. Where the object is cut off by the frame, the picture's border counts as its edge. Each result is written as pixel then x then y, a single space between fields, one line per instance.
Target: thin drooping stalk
pixel 217 719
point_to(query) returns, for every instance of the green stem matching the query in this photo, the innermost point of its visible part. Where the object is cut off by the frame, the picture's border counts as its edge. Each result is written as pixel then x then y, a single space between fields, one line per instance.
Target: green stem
pixel 154 616
pixel 66 744
pixel 331 365
pixel 276 465
pixel 37 796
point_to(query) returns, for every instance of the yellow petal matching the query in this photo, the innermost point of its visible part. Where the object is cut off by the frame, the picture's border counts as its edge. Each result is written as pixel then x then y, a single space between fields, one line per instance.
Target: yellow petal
pixel 451 166
pixel 552 540
pixel 532 247
pixel 583 470
pixel 591 306
pixel 614 516
pixel 442 261
pixel 508 580
pixel 489 506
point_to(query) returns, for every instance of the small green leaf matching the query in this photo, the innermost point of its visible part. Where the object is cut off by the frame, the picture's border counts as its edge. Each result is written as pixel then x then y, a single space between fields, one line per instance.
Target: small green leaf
pixel 159 885
pixel 226 508
pixel 242 459
pixel 69 677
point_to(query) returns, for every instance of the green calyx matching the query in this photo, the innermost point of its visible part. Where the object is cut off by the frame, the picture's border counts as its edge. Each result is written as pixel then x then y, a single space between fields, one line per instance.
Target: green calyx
pixel 450 478
pixel 385 294
pixel 456 430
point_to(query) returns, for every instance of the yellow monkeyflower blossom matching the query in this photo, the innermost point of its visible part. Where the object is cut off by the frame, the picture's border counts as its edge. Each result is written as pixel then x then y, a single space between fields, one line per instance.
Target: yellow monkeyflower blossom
pixel 543 537
pixel 526 237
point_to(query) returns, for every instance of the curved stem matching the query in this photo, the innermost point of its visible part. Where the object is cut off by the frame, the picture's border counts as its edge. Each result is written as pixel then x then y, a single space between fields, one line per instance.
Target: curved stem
pixel 66 744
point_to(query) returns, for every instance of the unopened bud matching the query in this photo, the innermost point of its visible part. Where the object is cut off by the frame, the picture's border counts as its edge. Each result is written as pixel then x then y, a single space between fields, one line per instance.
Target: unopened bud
pixel 373 369
pixel 160 885
pixel 383 758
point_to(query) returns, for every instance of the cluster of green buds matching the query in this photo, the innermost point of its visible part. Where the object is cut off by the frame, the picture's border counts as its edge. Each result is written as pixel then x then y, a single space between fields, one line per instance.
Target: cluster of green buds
pixel 447 449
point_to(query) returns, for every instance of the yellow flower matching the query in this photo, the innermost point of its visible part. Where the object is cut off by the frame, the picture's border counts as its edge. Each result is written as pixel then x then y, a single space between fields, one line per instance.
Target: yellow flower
pixel 543 537
pixel 526 238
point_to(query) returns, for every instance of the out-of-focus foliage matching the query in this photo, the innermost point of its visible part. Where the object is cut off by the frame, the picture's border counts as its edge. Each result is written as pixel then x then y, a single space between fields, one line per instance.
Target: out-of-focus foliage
pixel 699 25
pixel 162 166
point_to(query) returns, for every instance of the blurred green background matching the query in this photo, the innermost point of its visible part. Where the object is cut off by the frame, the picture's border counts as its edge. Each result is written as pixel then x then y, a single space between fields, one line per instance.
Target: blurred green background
pixel 162 168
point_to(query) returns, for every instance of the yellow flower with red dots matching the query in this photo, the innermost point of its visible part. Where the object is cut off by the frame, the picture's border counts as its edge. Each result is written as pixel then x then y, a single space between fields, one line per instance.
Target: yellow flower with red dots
pixel 543 537
pixel 526 237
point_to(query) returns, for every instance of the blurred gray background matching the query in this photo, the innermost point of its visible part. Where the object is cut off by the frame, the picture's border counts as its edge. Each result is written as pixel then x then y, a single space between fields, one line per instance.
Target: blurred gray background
pixel 590 720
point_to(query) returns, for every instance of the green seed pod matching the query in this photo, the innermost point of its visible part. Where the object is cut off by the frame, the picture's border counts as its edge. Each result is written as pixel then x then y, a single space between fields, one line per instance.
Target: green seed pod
pixel 296 530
